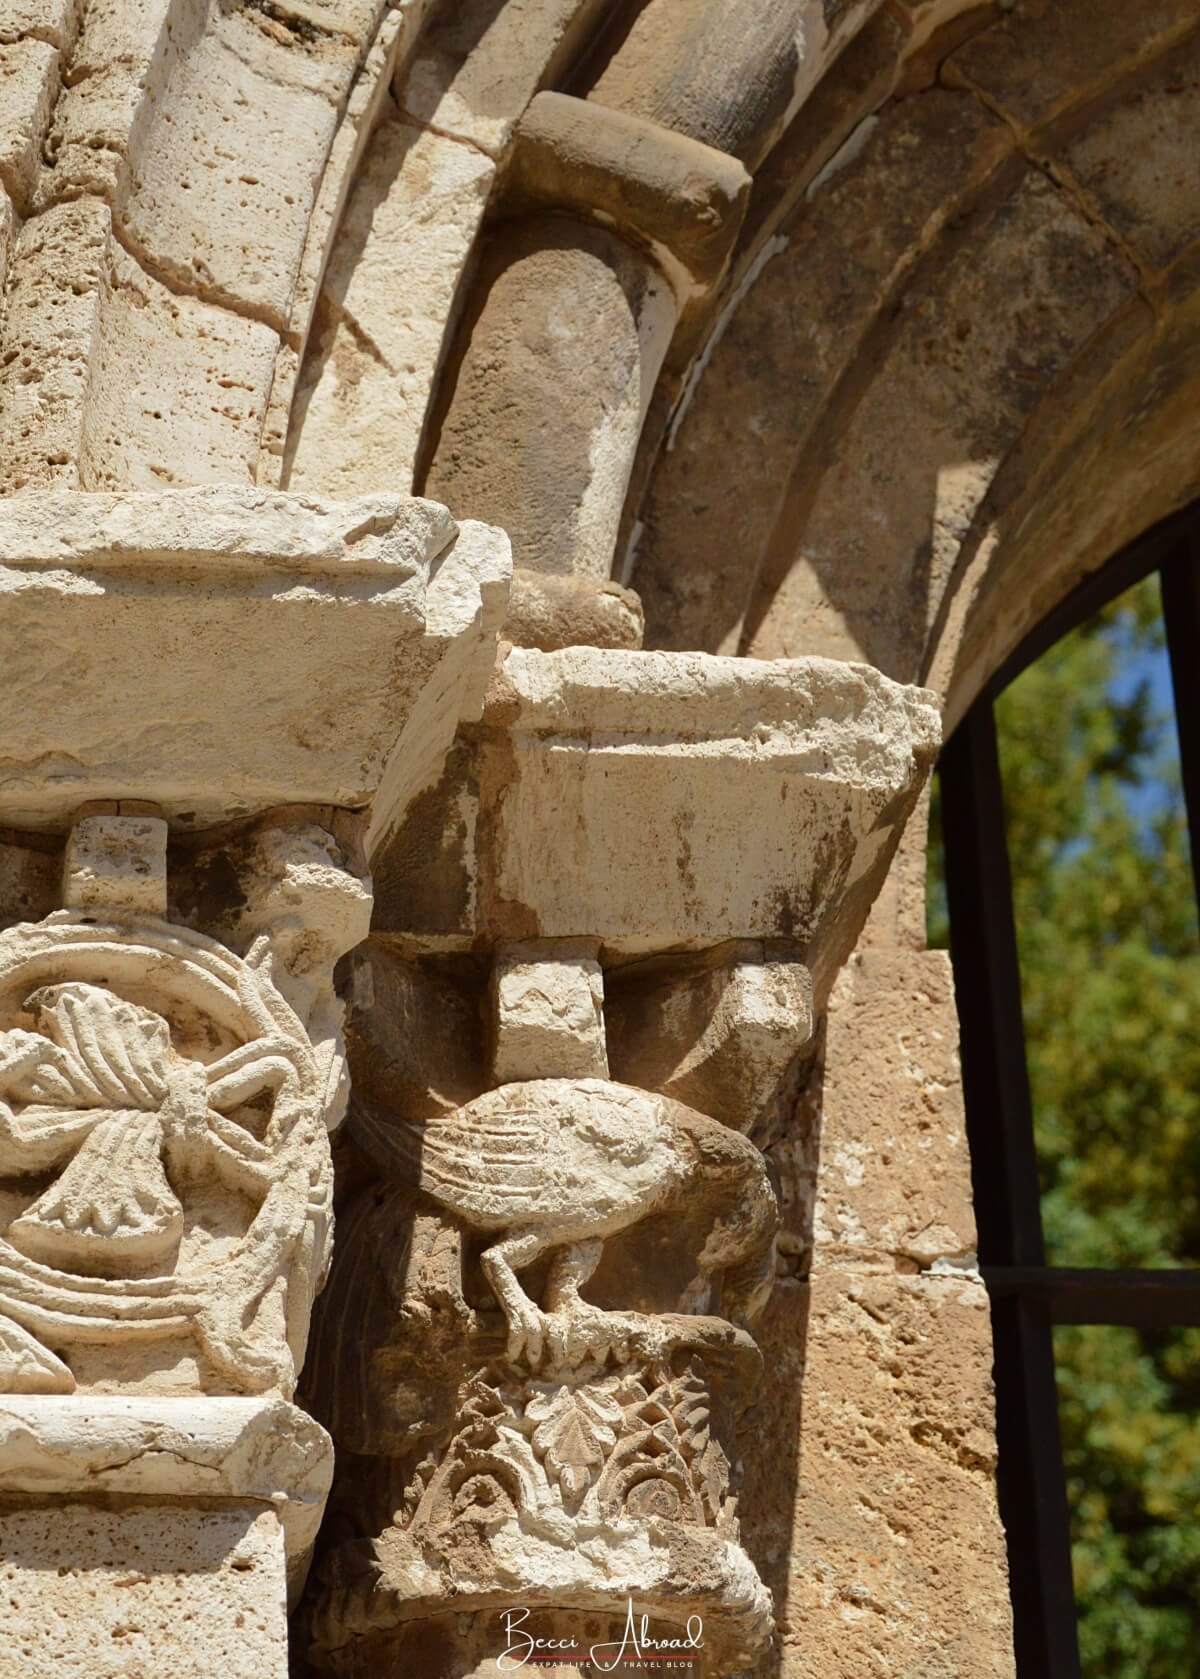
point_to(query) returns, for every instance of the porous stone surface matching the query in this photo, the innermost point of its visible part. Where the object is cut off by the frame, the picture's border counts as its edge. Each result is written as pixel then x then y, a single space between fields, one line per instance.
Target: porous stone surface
pixel 94 1592
pixel 869 1489
pixel 893 1180
pixel 116 863
pixel 204 625
pixel 148 1447
pixel 386 309
pixel 539 436
pixel 548 1012
pixel 734 777
pixel 549 612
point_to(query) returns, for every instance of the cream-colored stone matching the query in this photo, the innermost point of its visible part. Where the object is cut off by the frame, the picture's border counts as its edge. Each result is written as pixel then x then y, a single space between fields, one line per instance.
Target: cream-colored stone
pixel 56 269
pixel 260 1450
pixel 110 379
pixel 548 1010
pixel 678 198
pixel 869 1491
pixel 206 131
pixel 49 20
pixel 558 1166
pixel 480 64
pixel 385 311
pixel 234 650
pixel 700 798
pixel 29 71
pixel 98 1593
pixel 540 435
pixel 116 864
pixel 155 1210
pixel 550 612
pixel 230 159
pixel 393 41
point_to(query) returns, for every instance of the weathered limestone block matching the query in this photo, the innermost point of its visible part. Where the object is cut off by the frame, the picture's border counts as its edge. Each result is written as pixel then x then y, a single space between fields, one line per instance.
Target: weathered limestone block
pixel 415 1032
pixel 116 863
pixel 548 1012
pixel 732 77
pixel 804 307
pixel 29 71
pixel 50 20
pixel 540 436
pixel 721 1034
pixel 206 130
pixel 870 1501
pixel 550 612
pixel 219 652
pixel 110 1592
pixel 112 379
pixel 700 798
pixel 893 1178
pixel 155 1533
pixel 255 1452
pixel 325 239
pixel 478 65
pixel 386 309
pixel 873 589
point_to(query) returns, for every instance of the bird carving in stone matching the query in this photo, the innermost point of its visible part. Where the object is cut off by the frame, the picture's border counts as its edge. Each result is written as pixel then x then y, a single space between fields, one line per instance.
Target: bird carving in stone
pixel 560 1165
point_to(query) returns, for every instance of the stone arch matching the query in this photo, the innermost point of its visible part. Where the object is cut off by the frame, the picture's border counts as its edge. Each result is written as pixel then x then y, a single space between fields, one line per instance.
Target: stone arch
pixel 959 375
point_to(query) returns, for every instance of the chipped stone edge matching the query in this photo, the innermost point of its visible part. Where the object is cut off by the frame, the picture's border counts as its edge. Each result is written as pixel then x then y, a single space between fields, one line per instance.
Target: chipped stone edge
pixel 260 1451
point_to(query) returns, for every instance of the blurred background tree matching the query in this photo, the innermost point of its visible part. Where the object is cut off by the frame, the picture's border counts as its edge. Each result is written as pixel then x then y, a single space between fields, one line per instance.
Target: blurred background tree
pixel 1110 975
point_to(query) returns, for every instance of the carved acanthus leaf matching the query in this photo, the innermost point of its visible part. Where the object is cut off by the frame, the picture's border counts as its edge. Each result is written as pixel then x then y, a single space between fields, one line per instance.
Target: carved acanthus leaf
pixel 575 1433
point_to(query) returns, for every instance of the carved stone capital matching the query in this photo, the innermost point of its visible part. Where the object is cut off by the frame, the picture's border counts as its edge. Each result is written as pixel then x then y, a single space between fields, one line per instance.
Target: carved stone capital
pixel 165 1100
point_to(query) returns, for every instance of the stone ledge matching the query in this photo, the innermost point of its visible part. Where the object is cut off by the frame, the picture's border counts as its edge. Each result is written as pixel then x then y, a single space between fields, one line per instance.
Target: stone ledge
pixel 252 1450
pixel 216 652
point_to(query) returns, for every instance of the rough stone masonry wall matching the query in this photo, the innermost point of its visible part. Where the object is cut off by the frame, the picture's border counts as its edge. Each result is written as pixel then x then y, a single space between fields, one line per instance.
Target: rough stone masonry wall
pixel 856 329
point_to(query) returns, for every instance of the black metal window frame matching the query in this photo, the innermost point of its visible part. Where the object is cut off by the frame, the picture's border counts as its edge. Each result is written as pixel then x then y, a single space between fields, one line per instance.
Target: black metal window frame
pixel 1029 1297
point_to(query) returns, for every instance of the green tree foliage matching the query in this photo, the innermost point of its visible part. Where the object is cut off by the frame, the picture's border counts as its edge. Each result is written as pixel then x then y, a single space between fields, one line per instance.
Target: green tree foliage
pixel 1110 975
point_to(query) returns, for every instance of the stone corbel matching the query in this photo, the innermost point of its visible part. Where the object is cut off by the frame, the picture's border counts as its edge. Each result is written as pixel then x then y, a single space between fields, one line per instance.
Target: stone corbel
pixel 664 857
pixel 261 686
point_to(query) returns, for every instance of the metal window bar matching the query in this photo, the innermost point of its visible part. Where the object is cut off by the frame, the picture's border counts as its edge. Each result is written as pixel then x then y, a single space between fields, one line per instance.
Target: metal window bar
pixel 1028 1297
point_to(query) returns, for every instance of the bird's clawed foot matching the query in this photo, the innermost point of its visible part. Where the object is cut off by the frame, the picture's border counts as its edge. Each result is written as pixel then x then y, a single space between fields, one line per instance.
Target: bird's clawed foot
pixel 526 1334
pixel 576 1332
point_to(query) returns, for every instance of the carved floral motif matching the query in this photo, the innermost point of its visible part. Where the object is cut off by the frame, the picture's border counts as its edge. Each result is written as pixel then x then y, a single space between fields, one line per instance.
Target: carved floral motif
pixel 636 1443
pixel 164 1069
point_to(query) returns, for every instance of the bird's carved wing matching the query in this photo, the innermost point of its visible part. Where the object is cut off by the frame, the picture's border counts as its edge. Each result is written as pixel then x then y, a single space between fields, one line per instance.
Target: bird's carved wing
pixel 474 1155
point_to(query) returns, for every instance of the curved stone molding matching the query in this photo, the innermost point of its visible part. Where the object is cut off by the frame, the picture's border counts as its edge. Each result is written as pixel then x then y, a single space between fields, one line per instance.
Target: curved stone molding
pixel 163 1121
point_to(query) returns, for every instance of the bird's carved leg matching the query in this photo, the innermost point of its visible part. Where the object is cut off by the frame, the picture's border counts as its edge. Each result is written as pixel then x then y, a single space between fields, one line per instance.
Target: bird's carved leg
pixel 573 1327
pixel 500 1266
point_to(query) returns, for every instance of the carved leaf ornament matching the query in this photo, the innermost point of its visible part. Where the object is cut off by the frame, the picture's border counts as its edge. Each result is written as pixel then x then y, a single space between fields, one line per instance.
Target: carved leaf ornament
pixel 99 1106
